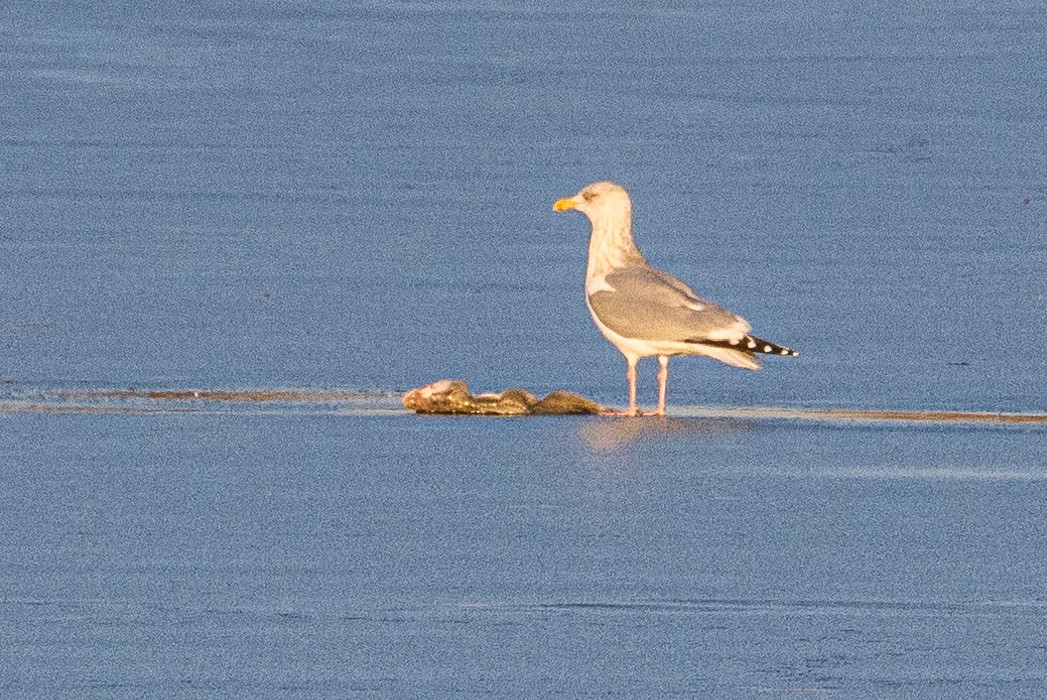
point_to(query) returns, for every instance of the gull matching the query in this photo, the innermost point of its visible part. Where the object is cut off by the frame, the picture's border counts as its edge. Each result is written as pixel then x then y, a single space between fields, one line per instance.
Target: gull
pixel 646 312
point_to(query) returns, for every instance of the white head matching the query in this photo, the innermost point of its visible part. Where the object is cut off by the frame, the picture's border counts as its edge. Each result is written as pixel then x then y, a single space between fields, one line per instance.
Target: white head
pixel 601 201
pixel 610 212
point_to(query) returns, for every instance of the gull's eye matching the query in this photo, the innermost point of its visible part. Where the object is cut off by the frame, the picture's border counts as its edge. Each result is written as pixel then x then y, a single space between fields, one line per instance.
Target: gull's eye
pixel 588 196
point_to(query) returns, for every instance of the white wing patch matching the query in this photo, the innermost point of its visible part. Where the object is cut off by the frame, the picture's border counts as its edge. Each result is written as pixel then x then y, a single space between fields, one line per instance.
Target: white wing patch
pixel 736 331
pixel 598 284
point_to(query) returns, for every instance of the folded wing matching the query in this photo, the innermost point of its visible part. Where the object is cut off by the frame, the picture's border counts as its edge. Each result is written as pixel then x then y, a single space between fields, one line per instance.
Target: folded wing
pixel 645 303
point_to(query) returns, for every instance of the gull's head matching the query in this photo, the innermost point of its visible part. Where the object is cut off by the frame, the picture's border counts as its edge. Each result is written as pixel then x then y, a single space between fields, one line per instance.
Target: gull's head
pixel 598 201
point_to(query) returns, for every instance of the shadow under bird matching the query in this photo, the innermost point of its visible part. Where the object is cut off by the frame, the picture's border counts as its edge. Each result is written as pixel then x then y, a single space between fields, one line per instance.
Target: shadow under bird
pixel 646 312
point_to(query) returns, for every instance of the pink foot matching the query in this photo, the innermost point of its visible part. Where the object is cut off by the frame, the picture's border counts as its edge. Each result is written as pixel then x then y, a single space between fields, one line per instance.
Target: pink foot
pixel 621 414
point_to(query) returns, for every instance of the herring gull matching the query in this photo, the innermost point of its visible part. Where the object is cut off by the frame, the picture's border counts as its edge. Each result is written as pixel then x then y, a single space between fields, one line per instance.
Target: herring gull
pixel 644 311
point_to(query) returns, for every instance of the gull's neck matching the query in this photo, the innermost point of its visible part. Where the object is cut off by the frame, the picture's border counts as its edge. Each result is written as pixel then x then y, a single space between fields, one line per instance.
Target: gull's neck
pixel 611 244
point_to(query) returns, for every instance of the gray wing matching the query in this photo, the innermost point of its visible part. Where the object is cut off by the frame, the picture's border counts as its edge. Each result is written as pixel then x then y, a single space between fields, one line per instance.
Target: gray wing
pixel 645 303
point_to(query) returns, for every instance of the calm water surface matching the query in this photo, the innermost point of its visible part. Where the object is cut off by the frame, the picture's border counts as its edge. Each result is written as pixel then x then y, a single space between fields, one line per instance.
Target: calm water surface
pixel 395 555
pixel 327 194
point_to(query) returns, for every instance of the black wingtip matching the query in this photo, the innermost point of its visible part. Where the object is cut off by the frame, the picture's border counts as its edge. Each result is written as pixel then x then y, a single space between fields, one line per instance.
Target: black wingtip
pixel 751 345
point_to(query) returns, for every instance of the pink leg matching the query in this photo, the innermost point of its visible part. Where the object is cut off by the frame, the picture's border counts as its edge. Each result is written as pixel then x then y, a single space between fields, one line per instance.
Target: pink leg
pixel 630 373
pixel 663 381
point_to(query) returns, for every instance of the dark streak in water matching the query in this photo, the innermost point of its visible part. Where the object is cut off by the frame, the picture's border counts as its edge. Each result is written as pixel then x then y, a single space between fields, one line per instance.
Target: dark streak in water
pixel 248 395
pixel 149 401
pixel 740 606
pixel 22 407
pixel 865 415
pixel 199 401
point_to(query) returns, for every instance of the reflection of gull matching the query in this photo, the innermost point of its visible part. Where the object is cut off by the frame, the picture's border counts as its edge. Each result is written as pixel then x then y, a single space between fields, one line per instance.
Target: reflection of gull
pixel 611 435
pixel 644 311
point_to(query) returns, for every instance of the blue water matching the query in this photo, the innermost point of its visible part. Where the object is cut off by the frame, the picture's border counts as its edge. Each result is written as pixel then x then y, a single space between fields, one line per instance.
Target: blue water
pixel 402 556
pixel 358 195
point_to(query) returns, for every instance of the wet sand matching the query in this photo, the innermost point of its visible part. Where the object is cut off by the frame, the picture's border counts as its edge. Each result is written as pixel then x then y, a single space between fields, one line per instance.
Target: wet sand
pixel 350 548
pixel 384 402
